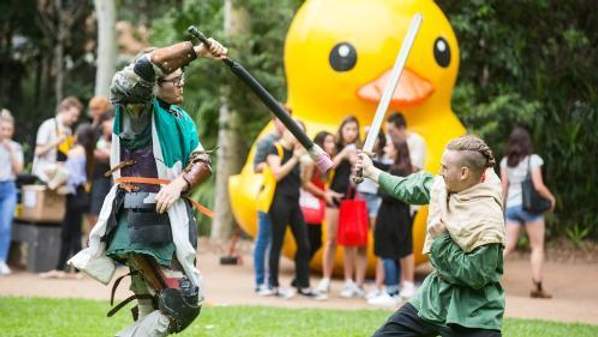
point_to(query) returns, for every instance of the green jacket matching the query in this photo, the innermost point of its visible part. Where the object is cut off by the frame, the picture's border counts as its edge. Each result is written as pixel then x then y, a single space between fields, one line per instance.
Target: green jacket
pixel 464 288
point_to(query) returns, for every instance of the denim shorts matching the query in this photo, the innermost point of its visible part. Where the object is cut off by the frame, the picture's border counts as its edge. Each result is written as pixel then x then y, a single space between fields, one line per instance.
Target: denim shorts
pixel 518 214
pixel 373 202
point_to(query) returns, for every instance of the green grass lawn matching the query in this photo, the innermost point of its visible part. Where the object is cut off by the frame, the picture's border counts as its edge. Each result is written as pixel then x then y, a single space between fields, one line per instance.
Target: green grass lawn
pixel 24 317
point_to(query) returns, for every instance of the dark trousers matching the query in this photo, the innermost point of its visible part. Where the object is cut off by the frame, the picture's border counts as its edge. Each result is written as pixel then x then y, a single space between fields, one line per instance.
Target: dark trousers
pixel 406 323
pixel 283 212
pixel 314 233
pixel 71 231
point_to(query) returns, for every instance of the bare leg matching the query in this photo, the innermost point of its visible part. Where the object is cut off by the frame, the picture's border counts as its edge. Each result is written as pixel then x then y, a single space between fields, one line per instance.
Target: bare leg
pixel 330 244
pixel 511 239
pixel 361 267
pixel 408 289
pixel 379 274
pixel 408 268
pixel 535 232
pixel 349 262
pixel 90 220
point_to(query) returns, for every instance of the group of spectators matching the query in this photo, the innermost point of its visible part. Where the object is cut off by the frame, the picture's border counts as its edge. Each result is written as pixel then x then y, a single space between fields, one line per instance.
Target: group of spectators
pixel 399 151
pixel 70 163
pixel 73 164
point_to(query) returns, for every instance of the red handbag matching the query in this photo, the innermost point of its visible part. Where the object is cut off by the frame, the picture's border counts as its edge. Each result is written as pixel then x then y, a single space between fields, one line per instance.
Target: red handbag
pixel 353 223
pixel 312 208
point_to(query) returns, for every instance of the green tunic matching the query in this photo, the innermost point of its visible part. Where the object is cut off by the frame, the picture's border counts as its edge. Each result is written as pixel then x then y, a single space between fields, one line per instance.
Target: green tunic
pixel 175 127
pixel 120 246
pixel 464 288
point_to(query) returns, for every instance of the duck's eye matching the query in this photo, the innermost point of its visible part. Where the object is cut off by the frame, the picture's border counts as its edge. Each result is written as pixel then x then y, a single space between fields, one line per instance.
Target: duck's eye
pixel 442 52
pixel 343 57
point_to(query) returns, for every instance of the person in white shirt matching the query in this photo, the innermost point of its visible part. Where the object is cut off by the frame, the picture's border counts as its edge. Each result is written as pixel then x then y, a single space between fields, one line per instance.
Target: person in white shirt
pixel 514 168
pixel 54 139
pixel 11 164
pixel 396 127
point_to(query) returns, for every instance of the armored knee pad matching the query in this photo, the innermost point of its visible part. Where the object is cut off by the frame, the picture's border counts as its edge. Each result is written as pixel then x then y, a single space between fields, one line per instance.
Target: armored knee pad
pixel 180 305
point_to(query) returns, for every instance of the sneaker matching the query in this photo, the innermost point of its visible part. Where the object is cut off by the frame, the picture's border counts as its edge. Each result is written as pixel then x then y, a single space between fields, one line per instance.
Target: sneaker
pixel 264 290
pixel 324 286
pixel 358 291
pixel 407 290
pixel 4 270
pixel 384 300
pixel 285 293
pixel 311 293
pixel 373 293
pixel 348 290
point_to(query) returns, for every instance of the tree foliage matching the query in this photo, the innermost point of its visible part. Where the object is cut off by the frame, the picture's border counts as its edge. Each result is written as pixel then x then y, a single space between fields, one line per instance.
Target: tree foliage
pixel 260 51
pixel 531 62
pixel 534 63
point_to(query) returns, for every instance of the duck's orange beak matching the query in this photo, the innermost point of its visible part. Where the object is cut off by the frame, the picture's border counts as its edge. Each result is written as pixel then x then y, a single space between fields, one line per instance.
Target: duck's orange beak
pixel 411 91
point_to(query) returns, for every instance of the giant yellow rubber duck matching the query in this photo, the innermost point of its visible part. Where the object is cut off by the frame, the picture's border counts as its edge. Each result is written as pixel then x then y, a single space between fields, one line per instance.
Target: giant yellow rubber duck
pixel 338 55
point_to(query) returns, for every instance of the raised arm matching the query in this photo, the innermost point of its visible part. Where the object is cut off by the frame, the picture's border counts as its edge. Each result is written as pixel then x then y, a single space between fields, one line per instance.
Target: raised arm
pixel 135 83
pixel 281 171
pixel 413 189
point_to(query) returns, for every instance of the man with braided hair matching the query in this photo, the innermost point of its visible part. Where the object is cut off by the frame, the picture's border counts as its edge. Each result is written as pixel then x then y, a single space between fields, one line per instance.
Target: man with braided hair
pixel 156 157
pixel 465 239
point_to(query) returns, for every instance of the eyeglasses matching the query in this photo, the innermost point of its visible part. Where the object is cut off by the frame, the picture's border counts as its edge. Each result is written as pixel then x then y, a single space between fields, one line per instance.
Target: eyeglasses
pixel 177 81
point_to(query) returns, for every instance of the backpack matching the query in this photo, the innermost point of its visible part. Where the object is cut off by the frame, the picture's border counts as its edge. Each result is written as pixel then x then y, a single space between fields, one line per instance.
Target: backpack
pixel 268 184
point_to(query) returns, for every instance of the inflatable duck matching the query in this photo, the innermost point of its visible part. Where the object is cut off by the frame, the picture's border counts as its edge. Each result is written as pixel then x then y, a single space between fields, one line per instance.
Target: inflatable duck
pixel 338 55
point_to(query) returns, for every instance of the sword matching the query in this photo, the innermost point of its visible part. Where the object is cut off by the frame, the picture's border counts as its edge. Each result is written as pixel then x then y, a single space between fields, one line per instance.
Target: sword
pixel 390 88
pixel 318 155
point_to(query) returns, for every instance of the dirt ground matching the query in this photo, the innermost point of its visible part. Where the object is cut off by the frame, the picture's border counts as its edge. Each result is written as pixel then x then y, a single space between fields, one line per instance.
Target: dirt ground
pixel 573 284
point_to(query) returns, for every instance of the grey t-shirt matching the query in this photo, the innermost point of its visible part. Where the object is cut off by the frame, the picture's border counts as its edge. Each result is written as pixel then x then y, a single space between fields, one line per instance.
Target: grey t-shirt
pixel 516 175
pixel 6 173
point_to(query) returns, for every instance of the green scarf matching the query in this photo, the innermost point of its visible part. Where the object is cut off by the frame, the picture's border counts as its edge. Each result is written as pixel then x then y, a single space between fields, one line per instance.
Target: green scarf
pixel 176 132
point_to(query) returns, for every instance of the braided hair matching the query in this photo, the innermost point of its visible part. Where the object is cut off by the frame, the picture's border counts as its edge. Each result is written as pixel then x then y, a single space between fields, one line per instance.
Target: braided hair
pixel 476 153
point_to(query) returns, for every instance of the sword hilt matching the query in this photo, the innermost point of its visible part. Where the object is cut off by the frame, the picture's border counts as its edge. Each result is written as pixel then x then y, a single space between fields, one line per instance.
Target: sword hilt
pixel 198 35
pixel 358 177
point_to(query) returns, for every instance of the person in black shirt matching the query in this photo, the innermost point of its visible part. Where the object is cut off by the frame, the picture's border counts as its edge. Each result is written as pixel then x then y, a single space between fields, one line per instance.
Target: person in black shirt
pixel 285 211
pixel 393 241
pixel 263 236
pixel 100 184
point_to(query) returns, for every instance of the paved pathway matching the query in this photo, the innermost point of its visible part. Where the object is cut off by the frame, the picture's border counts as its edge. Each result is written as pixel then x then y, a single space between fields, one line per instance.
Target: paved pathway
pixel 574 286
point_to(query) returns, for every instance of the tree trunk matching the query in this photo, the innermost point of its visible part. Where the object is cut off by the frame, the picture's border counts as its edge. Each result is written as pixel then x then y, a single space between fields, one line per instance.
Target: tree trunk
pixel 229 161
pixel 106 52
pixel 59 54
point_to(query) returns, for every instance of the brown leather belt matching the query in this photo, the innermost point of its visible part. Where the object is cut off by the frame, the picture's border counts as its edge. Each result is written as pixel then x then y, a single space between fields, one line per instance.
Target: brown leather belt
pixel 128 181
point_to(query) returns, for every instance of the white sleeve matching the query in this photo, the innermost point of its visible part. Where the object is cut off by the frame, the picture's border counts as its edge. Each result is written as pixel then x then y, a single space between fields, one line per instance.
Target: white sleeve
pixel 18 150
pixel 503 163
pixel 536 161
pixel 417 150
pixel 44 133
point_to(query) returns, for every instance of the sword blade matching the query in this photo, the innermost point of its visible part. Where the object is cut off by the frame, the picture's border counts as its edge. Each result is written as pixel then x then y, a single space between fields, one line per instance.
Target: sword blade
pixel 391 86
